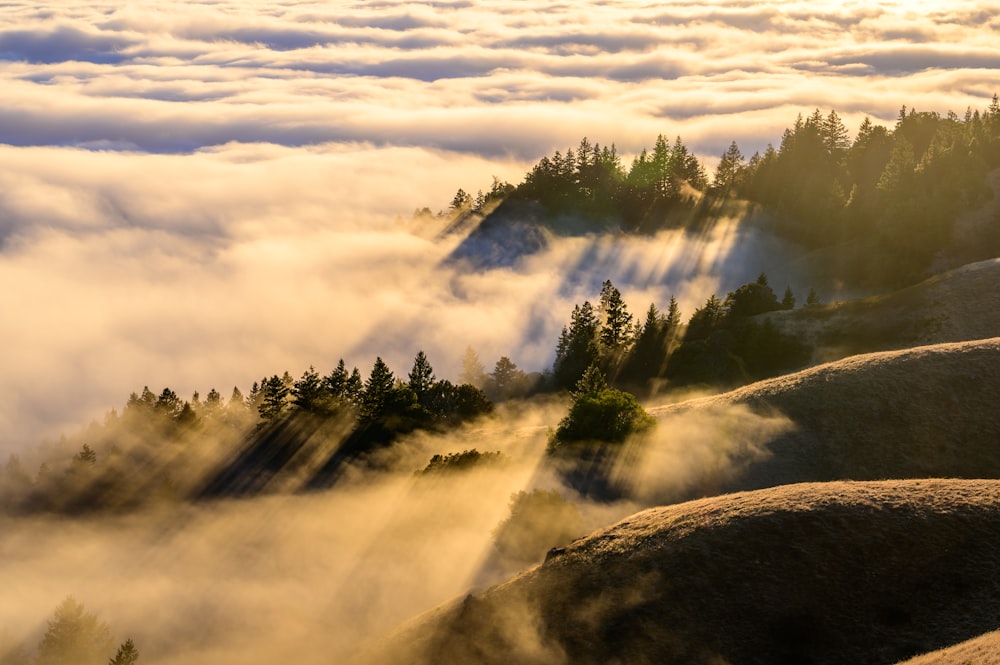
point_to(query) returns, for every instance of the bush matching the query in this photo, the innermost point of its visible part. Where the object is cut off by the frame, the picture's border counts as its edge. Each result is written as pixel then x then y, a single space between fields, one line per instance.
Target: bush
pixel 600 413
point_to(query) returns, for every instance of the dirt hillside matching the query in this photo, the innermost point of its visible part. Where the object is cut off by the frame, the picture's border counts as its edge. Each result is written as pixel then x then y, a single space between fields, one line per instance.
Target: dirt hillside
pixel 820 573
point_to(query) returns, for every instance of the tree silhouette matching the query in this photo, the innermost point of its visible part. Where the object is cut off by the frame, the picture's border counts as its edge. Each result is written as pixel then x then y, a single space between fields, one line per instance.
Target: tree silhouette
pixel 127 654
pixel 421 377
pixel 617 328
pixel 74 637
pixel 376 390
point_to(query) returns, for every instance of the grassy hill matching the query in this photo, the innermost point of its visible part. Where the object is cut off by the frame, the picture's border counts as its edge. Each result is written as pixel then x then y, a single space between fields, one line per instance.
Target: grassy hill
pixel 922 412
pixel 958 305
pixel 823 574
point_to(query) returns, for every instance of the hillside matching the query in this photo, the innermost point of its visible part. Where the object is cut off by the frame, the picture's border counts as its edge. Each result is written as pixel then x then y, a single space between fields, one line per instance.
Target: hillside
pixel 814 573
pixel 916 413
pixel 957 305
pixel 982 650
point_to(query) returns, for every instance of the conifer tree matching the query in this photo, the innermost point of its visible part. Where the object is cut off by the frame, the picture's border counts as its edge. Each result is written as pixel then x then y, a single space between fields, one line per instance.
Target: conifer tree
pixel 421 376
pixel 617 328
pixel 127 654
pixel 376 390
pixel 74 637
pixel 309 393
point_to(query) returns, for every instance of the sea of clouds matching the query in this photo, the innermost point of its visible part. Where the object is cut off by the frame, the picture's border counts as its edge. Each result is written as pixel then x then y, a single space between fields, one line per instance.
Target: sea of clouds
pixel 194 195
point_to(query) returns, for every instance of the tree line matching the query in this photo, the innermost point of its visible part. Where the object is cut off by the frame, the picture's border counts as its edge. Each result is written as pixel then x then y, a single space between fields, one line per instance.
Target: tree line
pixel 884 201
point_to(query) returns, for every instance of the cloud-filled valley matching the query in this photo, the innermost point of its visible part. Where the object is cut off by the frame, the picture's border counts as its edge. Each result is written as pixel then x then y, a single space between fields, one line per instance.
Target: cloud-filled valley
pixel 196 195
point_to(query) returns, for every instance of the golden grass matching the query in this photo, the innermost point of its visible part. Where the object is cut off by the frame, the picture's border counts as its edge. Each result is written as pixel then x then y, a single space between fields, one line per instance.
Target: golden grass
pixel 820 573
pixel 917 413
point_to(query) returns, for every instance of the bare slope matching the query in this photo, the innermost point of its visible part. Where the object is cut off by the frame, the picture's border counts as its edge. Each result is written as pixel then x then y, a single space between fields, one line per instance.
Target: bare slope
pixel 922 412
pixel 982 650
pixel 959 305
pixel 822 574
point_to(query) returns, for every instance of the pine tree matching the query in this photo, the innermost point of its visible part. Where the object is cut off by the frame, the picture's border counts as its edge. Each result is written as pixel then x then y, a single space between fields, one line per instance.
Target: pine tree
pixel 617 328
pixel 86 456
pixel 336 381
pixel 421 376
pixel 273 397
pixel 577 348
pixel 127 654
pixel 788 301
pixel 309 393
pixel 376 390
pixel 473 372
pixel 673 321
pixel 729 172
pixel 74 637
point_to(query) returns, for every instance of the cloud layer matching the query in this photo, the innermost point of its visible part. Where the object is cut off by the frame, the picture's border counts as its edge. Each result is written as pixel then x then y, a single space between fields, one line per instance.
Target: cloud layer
pixel 197 194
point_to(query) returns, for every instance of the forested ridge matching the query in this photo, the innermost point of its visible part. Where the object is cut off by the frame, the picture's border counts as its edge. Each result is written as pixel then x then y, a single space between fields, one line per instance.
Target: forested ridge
pixel 885 201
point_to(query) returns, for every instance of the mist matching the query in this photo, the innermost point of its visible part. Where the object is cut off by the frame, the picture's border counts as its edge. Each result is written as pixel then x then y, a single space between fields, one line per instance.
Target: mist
pixel 197 195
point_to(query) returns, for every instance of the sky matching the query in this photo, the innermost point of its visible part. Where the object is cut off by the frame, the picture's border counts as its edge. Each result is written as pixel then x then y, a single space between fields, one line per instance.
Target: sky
pixel 196 195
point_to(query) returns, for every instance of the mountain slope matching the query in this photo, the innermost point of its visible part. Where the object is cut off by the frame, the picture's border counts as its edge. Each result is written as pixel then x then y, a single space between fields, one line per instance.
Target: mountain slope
pixel 922 412
pixel 822 574
pixel 958 305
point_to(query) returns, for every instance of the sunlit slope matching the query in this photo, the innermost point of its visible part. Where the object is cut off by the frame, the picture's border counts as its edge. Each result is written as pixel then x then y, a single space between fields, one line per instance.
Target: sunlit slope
pixel 958 305
pixel 824 573
pixel 982 650
pixel 922 412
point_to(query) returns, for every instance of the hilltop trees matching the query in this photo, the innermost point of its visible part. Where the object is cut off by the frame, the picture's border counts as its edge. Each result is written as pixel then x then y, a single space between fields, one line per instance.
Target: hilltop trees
pixel 722 343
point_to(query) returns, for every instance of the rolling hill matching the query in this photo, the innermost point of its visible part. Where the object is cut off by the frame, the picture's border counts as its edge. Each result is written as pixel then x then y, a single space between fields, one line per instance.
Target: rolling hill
pixel 820 573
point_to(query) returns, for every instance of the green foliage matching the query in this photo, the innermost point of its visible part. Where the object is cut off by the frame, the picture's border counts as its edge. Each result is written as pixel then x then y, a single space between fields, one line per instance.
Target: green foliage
pixel 577 348
pixel 752 299
pixel 74 637
pixel 274 394
pixel 616 331
pixel 506 381
pixel 421 375
pixel 599 413
pixel 376 390
pixel 538 521
pixel 462 461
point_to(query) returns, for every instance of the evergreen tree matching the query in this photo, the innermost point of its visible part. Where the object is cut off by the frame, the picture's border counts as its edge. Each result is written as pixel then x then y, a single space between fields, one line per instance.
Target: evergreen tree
pixel 74 637
pixel 617 328
pixel 376 390
pixel 86 456
pixel 421 376
pixel 168 403
pixel 705 320
pixel 729 172
pixel 236 400
pixel 473 372
pixel 309 393
pixel 274 397
pixel 213 401
pixel 355 387
pixel 505 381
pixel 673 320
pixel 577 347
pixel 788 301
pixel 812 299
pixel 127 654
pixel 336 381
